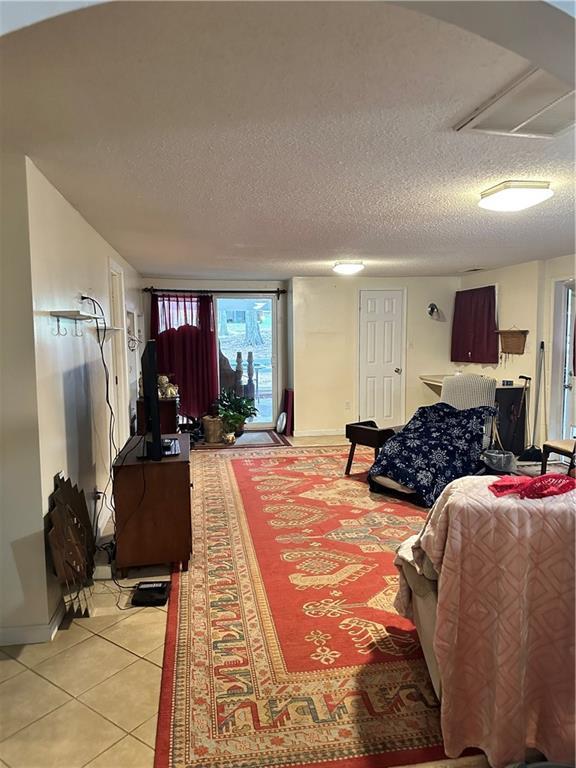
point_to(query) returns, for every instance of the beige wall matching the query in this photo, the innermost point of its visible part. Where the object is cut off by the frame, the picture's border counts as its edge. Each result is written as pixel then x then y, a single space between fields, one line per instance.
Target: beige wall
pixel 518 302
pixel 525 300
pixel 325 336
pixel 325 341
pixel 69 258
pixel 53 416
pixel 24 605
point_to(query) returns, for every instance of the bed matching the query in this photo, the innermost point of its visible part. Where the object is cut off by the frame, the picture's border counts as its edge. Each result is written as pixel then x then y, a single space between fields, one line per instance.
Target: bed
pixel 489 583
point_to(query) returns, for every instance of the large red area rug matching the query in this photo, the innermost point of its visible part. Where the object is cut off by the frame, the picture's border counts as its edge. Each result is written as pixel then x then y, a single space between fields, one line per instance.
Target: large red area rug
pixel 283 647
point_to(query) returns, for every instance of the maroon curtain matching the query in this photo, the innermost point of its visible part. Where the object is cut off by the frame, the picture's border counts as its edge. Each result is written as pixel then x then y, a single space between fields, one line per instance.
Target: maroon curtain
pixel 474 337
pixel 186 348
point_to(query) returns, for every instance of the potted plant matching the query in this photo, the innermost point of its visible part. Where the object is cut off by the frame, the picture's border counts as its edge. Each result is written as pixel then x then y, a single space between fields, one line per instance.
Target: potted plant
pixel 234 410
pixel 231 423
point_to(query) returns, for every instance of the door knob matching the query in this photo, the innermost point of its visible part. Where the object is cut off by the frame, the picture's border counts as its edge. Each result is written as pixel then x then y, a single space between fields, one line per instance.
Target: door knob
pixel 398 370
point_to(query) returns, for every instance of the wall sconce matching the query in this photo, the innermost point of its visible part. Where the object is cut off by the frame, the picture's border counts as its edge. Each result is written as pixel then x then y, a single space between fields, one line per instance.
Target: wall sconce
pixel 432 309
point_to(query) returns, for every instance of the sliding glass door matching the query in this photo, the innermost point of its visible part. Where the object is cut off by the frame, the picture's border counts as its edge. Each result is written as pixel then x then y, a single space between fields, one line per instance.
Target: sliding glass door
pixel 247 352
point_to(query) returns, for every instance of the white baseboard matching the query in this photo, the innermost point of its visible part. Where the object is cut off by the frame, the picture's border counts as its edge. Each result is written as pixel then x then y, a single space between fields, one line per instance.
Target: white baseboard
pixel 33 633
pixel 318 432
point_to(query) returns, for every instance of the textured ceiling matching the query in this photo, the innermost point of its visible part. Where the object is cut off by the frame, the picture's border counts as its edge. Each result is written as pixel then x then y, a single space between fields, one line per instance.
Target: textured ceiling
pixel 269 139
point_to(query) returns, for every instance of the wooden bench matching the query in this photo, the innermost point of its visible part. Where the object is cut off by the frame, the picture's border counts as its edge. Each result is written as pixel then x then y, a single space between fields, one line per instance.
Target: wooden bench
pixel 365 433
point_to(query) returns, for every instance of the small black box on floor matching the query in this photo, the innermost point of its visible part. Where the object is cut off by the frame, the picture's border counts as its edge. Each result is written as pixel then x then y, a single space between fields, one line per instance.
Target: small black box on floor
pixel 151 593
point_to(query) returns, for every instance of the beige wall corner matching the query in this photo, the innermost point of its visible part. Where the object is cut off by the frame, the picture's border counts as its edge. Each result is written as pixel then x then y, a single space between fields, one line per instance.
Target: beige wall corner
pixel 525 300
pixel 69 259
pixel 23 595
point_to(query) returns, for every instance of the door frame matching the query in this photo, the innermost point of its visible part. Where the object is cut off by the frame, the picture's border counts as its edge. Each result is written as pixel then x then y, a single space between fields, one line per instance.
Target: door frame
pixel 277 357
pixel 404 291
pixel 559 329
pixel 119 357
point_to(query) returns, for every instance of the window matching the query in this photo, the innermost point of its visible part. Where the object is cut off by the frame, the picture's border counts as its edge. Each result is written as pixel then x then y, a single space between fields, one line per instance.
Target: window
pixel 474 337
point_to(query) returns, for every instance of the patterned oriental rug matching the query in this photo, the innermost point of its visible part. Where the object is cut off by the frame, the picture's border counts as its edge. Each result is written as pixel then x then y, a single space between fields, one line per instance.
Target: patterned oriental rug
pixel 283 648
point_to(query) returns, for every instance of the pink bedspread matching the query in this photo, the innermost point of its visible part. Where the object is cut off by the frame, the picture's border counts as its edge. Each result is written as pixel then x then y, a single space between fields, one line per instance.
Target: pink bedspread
pixel 504 636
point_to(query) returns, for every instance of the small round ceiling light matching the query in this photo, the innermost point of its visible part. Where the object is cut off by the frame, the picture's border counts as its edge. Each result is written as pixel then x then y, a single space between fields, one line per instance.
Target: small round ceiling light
pixel 348 267
pixel 515 195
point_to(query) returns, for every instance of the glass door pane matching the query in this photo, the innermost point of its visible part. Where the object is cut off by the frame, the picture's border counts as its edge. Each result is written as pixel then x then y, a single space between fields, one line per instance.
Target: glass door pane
pixel 247 354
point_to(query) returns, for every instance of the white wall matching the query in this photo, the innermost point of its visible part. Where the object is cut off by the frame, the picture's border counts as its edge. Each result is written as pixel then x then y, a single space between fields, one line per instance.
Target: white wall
pixel 53 416
pixel 326 355
pixel 23 591
pixel 69 258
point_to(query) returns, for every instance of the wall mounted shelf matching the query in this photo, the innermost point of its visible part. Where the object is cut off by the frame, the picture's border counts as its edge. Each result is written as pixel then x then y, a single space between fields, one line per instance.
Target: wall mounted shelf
pixel 74 314
pixel 71 314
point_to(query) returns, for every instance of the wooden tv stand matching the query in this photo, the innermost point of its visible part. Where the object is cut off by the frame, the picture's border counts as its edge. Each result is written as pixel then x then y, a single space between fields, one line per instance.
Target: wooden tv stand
pixel 152 503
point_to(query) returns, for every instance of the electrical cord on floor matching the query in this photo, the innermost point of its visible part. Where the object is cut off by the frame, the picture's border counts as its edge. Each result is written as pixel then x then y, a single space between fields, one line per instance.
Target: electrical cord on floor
pixel 118 594
pixel 112 447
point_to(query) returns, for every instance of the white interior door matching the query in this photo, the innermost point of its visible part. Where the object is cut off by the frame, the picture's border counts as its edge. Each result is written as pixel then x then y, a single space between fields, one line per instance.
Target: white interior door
pixel 382 357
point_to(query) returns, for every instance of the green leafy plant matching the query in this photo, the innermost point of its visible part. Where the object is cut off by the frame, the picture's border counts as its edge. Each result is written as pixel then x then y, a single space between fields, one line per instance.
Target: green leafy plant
pixel 231 422
pixel 232 403
pixel 234 410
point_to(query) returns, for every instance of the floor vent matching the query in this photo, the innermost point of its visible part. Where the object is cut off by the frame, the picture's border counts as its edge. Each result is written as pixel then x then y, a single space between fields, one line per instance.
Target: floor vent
pixel 538 105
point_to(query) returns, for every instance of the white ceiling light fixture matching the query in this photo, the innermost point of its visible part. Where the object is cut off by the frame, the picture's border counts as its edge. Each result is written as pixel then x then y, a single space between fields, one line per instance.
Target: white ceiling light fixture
pixel 348 267
pixel 515 195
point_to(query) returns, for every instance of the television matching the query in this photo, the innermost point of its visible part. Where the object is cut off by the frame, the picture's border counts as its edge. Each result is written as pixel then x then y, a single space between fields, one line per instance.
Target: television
pixel 152 437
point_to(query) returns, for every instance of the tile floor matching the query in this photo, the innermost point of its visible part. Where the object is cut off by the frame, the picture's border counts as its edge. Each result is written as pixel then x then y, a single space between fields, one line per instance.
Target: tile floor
pixel 90 697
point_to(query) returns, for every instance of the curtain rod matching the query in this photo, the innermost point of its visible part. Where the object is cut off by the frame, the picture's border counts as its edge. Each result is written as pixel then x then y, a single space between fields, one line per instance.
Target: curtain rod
pixel 205 292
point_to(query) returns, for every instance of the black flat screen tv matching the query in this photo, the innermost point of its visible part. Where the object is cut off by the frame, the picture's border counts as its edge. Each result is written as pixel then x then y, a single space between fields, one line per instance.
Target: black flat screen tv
pixel 153 437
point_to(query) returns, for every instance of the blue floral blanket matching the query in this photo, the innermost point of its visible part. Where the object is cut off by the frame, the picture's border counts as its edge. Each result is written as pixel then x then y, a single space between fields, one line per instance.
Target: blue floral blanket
pixel 439 444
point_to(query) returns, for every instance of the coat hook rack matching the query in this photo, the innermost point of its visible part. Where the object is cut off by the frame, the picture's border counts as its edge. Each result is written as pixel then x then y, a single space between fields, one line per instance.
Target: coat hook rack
pixel 71 314
pixel 60 330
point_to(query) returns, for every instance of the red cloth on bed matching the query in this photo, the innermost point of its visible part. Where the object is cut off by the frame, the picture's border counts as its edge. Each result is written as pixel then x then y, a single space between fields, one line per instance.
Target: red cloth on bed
pixel 533 487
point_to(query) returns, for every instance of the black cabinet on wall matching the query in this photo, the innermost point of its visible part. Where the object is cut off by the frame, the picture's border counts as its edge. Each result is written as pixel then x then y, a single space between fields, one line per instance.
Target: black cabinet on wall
pixel 511 420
